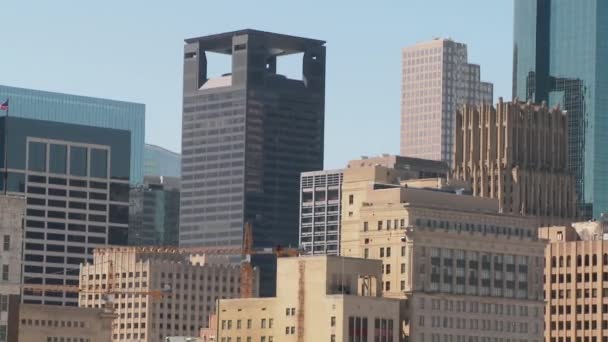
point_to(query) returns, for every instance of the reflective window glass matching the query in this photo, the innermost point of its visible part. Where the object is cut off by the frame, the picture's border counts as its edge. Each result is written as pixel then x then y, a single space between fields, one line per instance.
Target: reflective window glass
pixel 78 161
pixel 37 156
pixel 58 159
pixel 99 163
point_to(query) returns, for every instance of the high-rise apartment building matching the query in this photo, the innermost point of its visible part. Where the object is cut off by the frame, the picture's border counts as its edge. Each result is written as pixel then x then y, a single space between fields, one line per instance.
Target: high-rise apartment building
pixel 468 271
pixel 12 212
pixel 247 136
pixel 159 161
pixel 190 286
pixel 319 298
pixel 559 57
pixel 436 80
pixel 517 153
pixel 76 180
pixel 85 111
pixel 321 198
pixel 154 212
pixel 320 201
pixel 576 262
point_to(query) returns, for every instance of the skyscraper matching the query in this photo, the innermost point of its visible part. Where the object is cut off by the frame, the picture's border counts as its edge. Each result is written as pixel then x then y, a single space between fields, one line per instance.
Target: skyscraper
pixel 247 136
pixel 77 183
pixel 436 80
pixel 159 161
pixel 560 57
pixel 83 110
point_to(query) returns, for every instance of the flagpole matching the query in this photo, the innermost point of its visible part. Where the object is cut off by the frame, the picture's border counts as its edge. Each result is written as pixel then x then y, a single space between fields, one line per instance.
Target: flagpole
pixel 6 147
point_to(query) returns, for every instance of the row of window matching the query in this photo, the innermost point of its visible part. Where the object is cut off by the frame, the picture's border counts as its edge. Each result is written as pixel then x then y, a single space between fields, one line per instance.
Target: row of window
pixel 448 305
pixel 52 323
pixel 82 161
pixel 477 324
pixel 588 260
pixel 580 293
pixel 580 309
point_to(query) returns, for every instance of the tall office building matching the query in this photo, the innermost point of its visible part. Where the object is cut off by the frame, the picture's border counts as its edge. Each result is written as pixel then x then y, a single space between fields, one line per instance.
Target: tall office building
pixel 76 179
pixel 575 281
pixel 467 271
pixel 517 153
pixel 436 80
pixel 247 136
pixel 159 161
pixel 559 57
pixel 86 111
pixel 12 212
pixel 154 212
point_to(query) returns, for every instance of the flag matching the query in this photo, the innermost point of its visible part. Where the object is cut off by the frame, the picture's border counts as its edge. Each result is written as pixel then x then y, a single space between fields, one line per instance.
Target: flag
pixel 4 106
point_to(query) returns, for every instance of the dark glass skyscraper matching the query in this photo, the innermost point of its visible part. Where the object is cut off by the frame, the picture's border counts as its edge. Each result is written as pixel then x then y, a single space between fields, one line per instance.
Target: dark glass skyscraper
pixel 247 136
pixel 560 54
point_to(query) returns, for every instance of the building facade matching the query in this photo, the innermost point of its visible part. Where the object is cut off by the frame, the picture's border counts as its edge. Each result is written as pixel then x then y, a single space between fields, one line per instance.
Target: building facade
pixel 468 272
pixel 576 262
pixel 56 324
pixel 85 111
pixel 12 212
pixel 319 298
pixel 154 212
pixel 76 179
pixel 436 80
pixel 320 201
pixel 247 136
pixel 159 161
pixel 545 69
pixel 517 153
pixel 157 292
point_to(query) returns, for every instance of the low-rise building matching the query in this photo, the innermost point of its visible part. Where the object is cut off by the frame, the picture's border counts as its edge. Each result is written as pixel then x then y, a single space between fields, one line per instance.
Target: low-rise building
pixel 319 298
pixel 158 292
pixel 576 274
pixel 47 323
pixel 12 211
pixel 468 271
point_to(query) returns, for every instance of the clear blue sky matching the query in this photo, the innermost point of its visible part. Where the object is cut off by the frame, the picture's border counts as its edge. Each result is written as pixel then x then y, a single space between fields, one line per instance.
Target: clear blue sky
pixel 132 50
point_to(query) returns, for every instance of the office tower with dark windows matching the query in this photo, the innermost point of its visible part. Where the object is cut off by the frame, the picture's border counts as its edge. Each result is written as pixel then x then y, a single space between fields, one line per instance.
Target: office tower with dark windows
pixel 436 80
pixel 320 213
pixel 83 110
pixel 154 212
pixel 247 135
pixel 159 161
pixel 559 56
pixel 76 180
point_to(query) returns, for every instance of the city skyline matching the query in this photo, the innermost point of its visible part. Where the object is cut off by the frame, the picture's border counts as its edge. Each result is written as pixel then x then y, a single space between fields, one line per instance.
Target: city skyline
pixel 117 53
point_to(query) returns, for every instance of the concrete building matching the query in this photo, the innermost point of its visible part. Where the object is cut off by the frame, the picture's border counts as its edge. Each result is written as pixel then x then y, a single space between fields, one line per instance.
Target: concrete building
pixel 67 324
pixel 12 211
pixel 576 262
pixel 84 111
pixel 321 198
pixel 77 183
pixel 320 201
pixel 154 212
pixel 436 80
pixel 159 162
pixel 468 272
pixel 158 292
pixel 247 136
pixel 517 153
pixel 319 298
pixel 545 32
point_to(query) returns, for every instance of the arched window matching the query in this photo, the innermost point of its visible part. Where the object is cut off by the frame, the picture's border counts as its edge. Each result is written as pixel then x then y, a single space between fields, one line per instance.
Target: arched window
pixel 586 259
pixel 568 261
pixel 561 261
pixel 579 260
pixel 594 260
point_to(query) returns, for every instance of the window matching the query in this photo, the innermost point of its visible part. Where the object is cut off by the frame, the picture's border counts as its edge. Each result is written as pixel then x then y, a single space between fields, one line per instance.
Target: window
pixel 333 321
pixel 388 252
pixel 37 156
pixel 5 272
pixel 366 253
pixel 3 303
pixel 351 199
pixel 99 163
pixel 387 286
pixel 387 269
pixel 58 159
pixel 7 242
pixel 248 324
pixel 263 324
pixel 402 250
pixel 382 252
pixel 402 268
pixel 78 161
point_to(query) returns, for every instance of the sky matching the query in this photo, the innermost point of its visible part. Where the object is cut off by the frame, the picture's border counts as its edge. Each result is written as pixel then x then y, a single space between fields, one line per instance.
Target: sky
pixel 132 51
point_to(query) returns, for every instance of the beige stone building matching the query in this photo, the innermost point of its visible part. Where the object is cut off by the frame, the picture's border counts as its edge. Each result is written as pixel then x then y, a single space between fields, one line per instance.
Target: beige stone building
pixel 469 272
pixel 576 278
pixel 319 298
pixel 436 80
pixel 517 153
pixel 51 323
pixel 158 292
pixel 12 211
